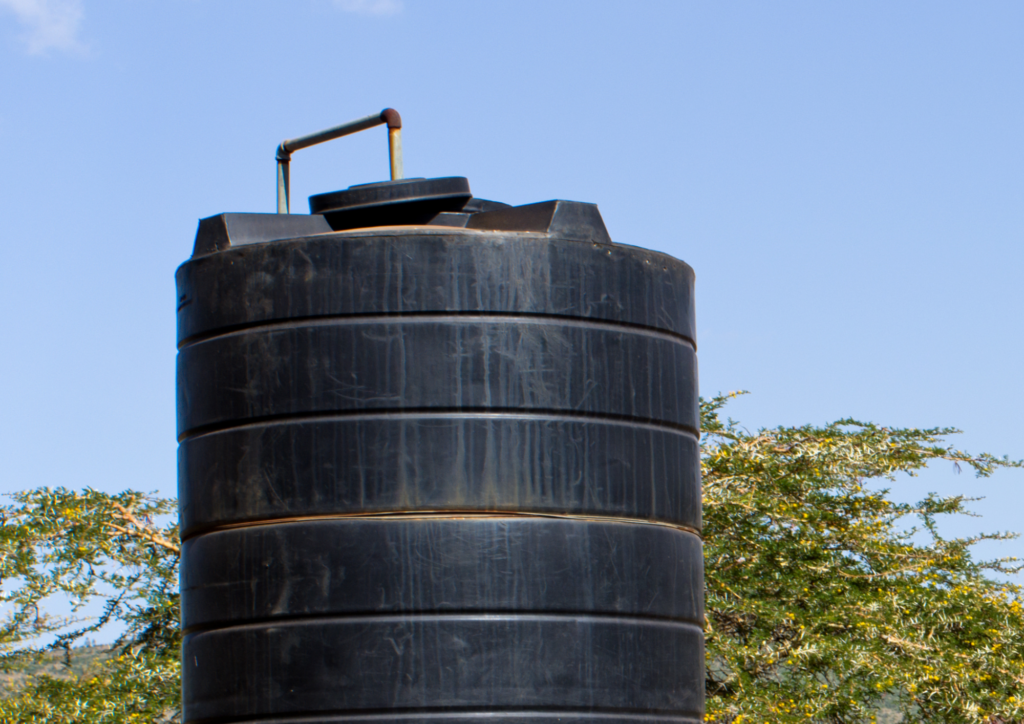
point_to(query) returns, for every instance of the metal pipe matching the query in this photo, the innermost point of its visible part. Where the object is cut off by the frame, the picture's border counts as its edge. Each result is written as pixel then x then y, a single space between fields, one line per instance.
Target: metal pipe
pixel 283 186
pixel 284 151
pixel 395 153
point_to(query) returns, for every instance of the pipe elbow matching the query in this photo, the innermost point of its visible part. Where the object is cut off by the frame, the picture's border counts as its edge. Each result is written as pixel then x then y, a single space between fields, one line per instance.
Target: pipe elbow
pixel 390 116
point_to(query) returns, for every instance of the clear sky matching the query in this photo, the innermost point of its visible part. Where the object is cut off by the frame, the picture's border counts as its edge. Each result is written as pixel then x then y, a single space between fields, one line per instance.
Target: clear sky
pixel 845 178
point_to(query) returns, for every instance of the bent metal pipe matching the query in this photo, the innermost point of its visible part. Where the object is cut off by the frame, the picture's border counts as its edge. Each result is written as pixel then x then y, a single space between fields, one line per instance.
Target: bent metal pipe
pixel 388 116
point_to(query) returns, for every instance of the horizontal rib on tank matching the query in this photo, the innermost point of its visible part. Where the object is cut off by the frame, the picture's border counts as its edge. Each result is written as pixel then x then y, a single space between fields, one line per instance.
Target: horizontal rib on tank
pixel 439 661
pixel 391 565
pixel 424 270
pixel 445 461
pixel 424 363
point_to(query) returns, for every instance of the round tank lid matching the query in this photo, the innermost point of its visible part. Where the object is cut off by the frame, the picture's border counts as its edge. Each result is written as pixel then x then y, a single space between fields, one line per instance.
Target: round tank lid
pixel 451 192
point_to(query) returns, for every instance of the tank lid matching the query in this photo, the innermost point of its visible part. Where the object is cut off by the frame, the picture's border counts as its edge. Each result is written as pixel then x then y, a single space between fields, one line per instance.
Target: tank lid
pixel 390 203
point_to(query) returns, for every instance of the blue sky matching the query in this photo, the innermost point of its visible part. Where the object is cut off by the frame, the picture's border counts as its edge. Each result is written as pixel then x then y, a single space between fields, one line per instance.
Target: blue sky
pixel 845 178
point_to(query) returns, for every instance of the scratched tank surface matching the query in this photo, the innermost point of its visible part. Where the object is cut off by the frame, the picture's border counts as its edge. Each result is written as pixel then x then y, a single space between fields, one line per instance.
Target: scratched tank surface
pixel 437 461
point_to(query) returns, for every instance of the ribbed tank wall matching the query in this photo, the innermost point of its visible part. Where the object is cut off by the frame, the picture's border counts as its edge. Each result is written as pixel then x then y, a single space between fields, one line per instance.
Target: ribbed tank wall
pixel 431 472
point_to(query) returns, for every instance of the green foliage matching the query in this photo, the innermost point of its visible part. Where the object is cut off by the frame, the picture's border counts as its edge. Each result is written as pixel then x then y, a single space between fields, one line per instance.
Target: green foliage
pixel 820 600
pixel 139 685
pixel 821 603
pixel 85 548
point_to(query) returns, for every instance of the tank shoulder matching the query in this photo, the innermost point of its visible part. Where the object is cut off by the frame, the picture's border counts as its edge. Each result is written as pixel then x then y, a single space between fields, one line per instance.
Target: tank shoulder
pixel 225 231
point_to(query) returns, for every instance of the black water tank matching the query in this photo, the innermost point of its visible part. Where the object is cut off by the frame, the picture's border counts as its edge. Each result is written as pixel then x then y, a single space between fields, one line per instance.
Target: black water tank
pixel 444 471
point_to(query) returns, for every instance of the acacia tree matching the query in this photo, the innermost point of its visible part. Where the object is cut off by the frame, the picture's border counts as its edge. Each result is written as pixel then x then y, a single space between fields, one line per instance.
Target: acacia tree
pixel 88 548
pixel 820 601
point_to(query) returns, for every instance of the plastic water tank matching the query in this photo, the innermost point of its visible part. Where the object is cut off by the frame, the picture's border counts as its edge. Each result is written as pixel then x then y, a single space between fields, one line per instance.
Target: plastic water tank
pixel 438 460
